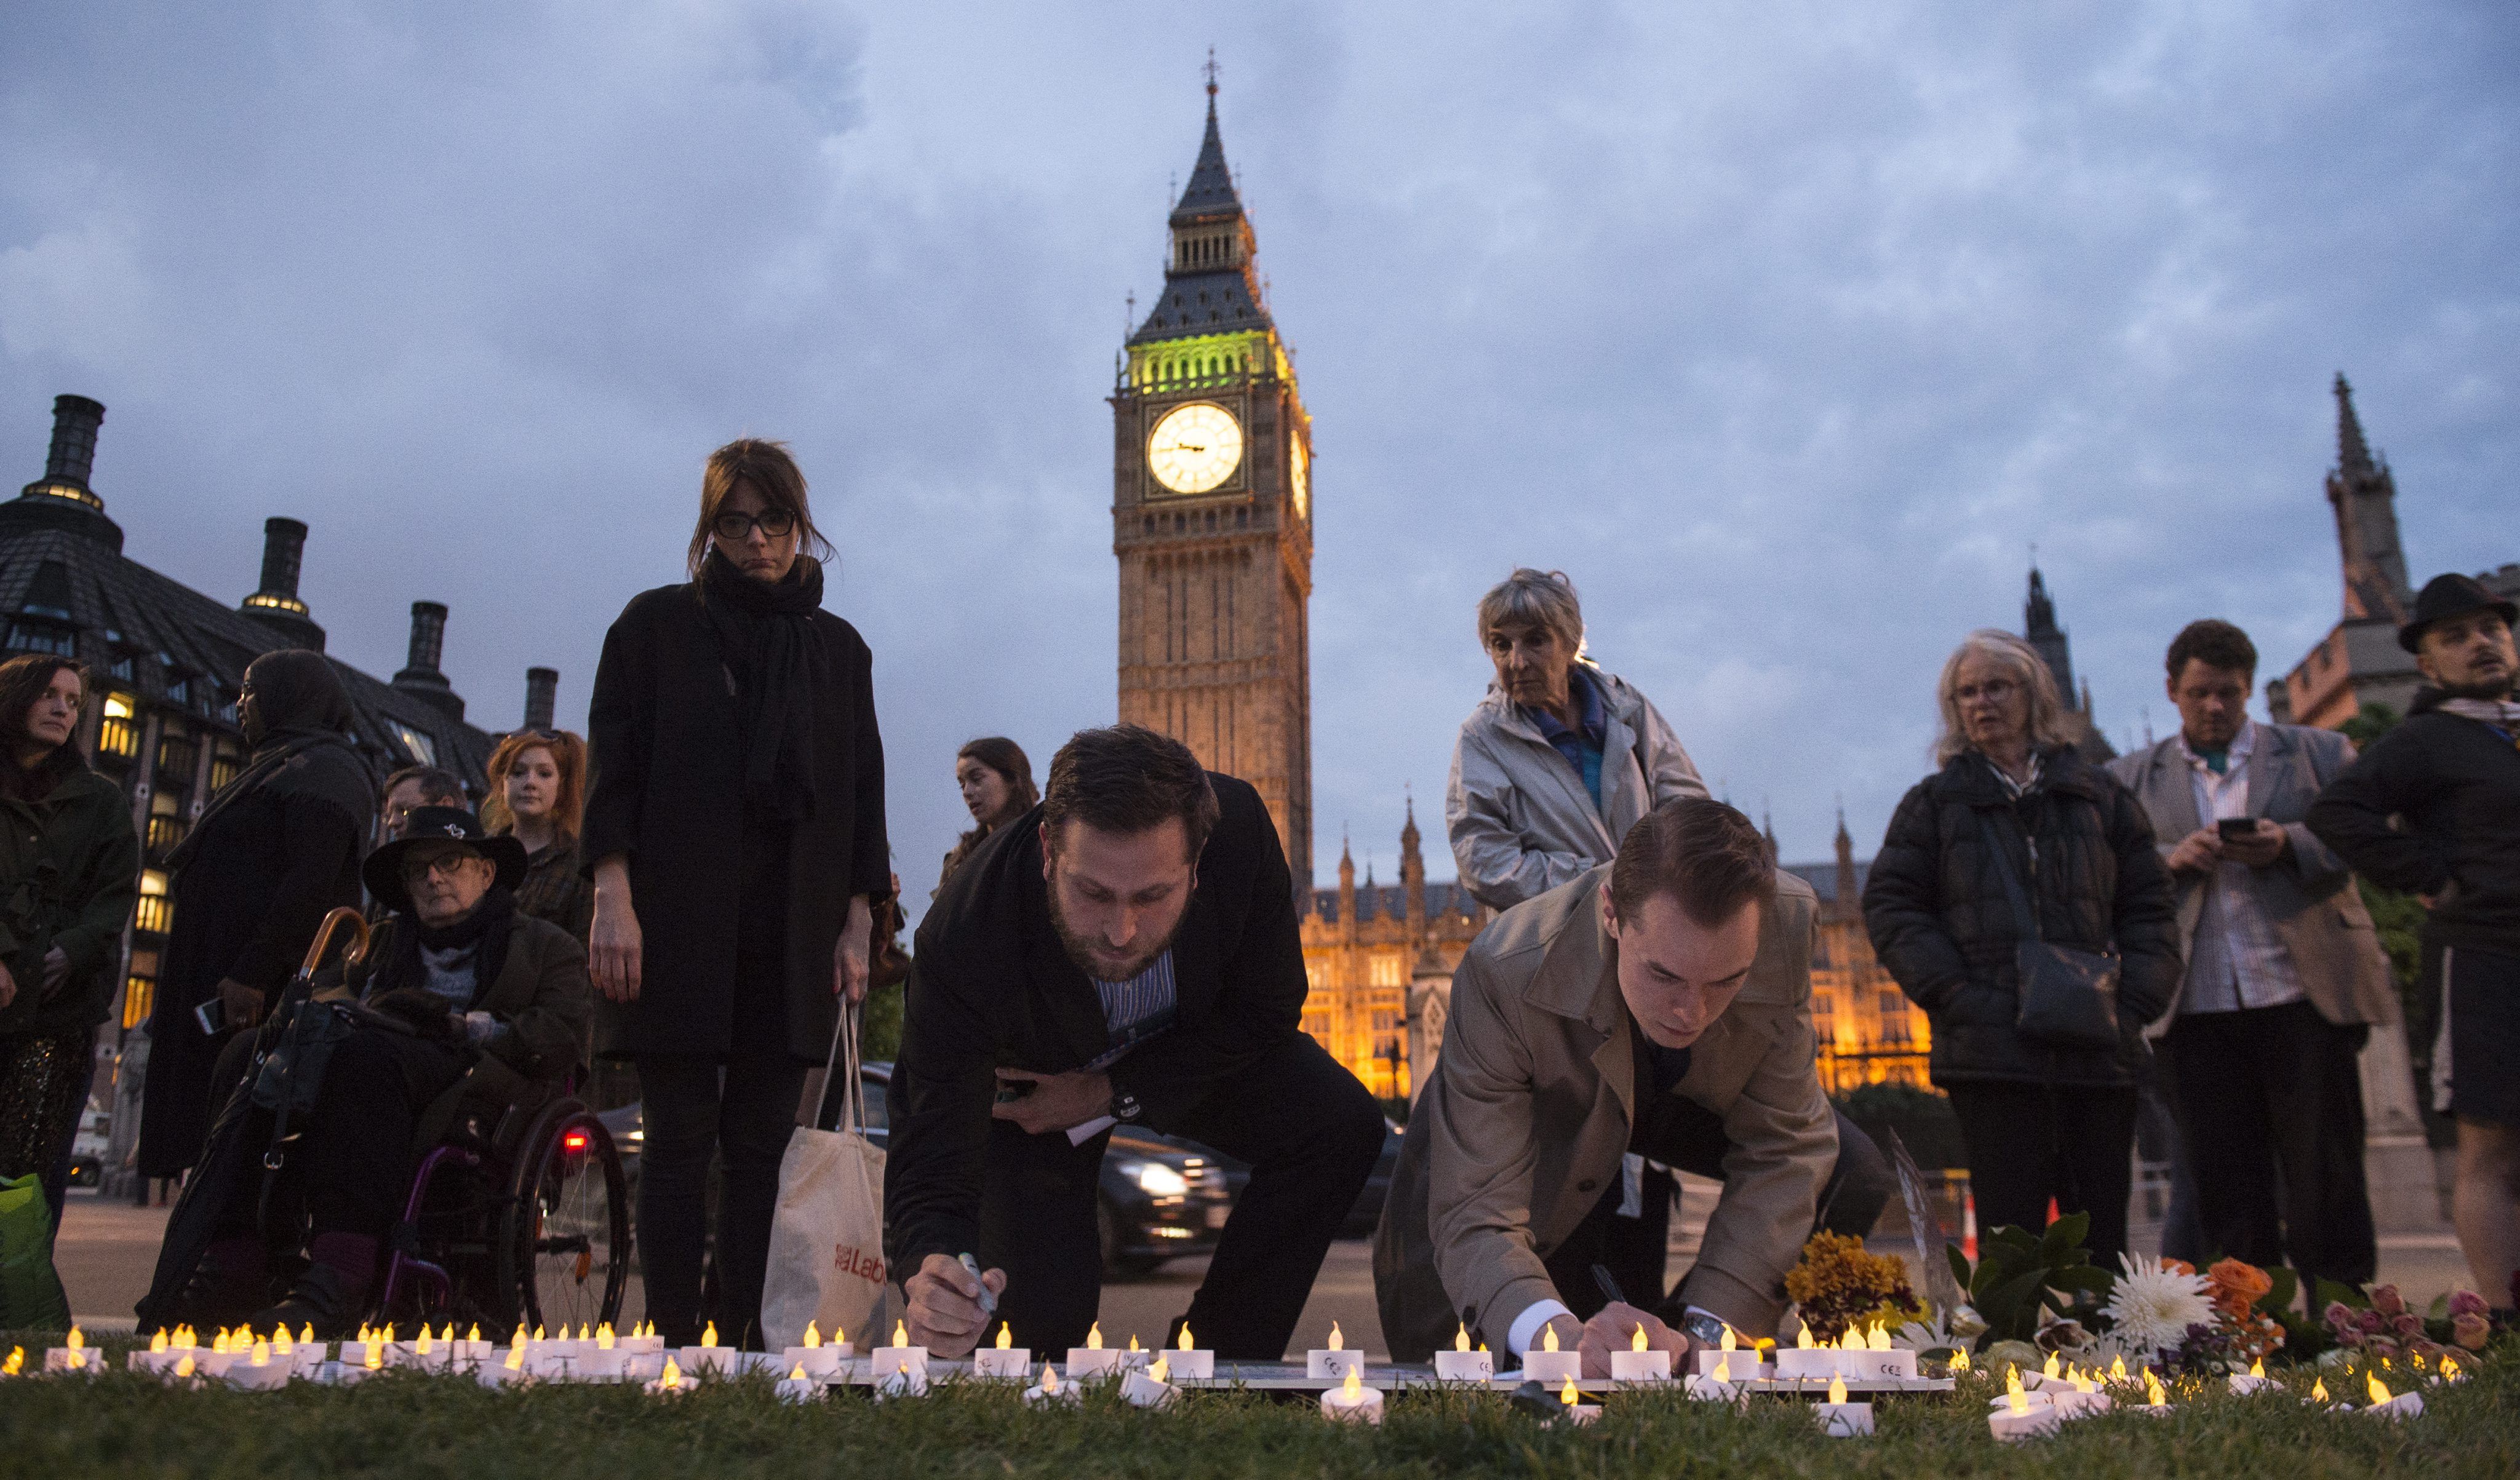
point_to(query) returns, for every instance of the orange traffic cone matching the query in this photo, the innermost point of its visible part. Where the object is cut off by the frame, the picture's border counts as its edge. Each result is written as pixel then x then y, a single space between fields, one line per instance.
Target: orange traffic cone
pixel 1968 1225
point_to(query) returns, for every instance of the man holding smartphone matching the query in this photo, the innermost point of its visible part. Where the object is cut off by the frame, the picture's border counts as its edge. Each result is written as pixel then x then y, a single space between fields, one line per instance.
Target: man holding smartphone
pixel 2285 971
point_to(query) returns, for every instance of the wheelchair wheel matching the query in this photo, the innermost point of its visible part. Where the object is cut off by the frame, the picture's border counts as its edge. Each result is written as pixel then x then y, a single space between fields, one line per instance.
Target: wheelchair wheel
pixel 565 1247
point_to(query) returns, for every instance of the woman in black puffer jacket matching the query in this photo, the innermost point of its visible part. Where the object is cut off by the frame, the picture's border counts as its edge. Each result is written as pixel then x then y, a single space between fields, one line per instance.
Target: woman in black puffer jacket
pixel 2039 1120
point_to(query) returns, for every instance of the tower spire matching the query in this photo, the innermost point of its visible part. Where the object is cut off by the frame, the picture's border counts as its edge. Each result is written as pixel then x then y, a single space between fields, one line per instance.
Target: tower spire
pixel 2353 453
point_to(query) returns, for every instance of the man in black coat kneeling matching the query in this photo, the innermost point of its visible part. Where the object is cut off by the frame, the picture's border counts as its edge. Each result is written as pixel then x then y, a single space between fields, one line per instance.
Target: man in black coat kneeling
pixel 1127 952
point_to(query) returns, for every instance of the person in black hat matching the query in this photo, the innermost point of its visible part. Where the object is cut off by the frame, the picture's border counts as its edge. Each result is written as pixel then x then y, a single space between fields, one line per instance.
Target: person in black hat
pixel 471 1007
pixel 2451 772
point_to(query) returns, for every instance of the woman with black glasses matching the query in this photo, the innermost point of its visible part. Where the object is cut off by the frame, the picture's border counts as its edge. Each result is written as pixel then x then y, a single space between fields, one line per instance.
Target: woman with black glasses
pixel 734 832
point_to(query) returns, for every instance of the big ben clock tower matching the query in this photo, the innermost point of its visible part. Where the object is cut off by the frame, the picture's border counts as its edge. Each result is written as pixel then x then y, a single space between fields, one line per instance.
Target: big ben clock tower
pixel 1211 514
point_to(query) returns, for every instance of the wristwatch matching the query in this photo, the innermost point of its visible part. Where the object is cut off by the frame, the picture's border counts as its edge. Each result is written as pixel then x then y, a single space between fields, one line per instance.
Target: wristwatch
pixel 1702 1327
pixel 1124 1106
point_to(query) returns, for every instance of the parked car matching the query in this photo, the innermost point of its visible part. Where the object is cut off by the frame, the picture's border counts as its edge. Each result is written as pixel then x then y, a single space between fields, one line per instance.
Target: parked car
pixel 88 1148
pixel 1160 1198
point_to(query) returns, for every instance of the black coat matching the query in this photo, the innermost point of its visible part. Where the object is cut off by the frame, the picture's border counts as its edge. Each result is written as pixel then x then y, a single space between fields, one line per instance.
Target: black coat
pixel 70 865
pixel 667 791
pixel 991 987
pixel 259 872
pixel 2456 783
pixel 1944 927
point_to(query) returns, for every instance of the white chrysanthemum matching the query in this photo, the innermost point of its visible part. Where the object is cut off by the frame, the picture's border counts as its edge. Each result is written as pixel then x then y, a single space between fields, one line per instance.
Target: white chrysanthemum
pixel 2152 1307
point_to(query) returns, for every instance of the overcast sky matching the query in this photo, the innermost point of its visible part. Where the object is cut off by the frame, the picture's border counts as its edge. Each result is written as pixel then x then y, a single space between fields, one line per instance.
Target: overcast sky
pixel 1785 329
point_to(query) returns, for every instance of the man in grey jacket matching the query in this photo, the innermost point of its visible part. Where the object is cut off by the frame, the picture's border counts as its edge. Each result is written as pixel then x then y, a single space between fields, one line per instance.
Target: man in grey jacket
pixel 2285 972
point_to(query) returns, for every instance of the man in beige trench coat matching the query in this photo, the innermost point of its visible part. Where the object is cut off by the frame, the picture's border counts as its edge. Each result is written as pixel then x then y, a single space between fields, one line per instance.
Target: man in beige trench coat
pixel 1659 1003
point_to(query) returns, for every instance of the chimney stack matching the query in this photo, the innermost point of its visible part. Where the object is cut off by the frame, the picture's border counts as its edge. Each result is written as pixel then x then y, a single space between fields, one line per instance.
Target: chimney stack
pixel 275 602
pixel 542 695
pixel 75 420
pixel 422 679
pixel 62 499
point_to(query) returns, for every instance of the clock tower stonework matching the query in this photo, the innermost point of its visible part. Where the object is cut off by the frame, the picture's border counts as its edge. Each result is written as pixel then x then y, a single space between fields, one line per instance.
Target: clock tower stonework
pixel 1211 514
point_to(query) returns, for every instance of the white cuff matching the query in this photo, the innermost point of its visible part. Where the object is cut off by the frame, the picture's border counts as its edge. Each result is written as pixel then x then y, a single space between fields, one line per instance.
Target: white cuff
pixel 1526 1326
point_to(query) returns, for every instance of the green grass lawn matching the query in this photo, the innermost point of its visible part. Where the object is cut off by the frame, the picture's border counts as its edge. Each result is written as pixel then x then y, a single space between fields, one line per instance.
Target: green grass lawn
pixel 403 1424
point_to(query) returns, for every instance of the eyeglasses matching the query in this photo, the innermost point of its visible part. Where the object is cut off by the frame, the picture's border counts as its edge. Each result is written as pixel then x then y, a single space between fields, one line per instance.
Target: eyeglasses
pixel 778 523
pixel 414 870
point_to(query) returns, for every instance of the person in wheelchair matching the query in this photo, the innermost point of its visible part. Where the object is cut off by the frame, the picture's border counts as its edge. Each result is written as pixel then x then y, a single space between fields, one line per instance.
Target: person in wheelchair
pixel 469 1015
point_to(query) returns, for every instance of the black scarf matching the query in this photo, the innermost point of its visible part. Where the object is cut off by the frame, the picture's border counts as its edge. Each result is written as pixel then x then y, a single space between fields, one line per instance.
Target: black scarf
pixel 765 636
pixel 299 744
pixel 487 930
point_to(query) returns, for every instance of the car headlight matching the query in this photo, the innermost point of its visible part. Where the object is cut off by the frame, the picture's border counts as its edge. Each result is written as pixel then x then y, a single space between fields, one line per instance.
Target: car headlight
pixel 1161 1181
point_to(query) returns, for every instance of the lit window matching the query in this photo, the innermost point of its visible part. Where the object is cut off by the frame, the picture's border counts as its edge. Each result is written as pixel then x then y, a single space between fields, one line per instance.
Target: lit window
pixel 119 734
pixel 139 996
pixel 418 747
pixel 155 912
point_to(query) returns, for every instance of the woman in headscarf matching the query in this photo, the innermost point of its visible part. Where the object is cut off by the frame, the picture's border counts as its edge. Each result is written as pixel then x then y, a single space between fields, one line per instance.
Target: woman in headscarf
pixel 279 846
pixel 735 833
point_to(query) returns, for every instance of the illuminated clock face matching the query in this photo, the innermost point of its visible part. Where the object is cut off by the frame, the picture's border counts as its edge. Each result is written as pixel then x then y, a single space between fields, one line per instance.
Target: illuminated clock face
pixel 1299 479
pixel 1195 448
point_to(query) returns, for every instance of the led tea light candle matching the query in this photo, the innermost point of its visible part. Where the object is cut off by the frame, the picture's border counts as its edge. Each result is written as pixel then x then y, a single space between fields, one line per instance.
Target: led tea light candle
pixel 2252 1380
pixel 2020 1413
pixel 1638 1363
pixel 1741 1362
pixel 1572 1408
pixel 1547 1364
pixel 671 1382
pixel 181 1374
pixel 1053 1391
pixel 2081 1398
pixel 1005 1360
pixel 1462 1365
pixel 504 1368
pixel 1876 1358
pixel 2317 1394
pixel 1152 1388
pixel 1092 1360
pixel 73 1355
pixel 1352 1402
pixel 1722 1384
pixel 259 1372
pixel 1806 1358
pixel 1841 1419
pixel 898 1358
pixel 1191 1363
pixel 2156 1401
pixel 2451 1371
pixel 2406 1404
pixel 823 1360
pixel 602 1360
pixel 797 1387
pixel 905 1382
pixel 1333 1361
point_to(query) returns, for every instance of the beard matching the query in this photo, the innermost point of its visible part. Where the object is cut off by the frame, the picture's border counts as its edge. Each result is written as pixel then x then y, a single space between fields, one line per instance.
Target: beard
pixel 1091 958
pixel 2488 686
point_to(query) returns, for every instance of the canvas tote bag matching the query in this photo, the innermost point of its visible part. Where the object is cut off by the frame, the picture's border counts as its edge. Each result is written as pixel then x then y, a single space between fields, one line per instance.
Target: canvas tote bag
pixel 827 1238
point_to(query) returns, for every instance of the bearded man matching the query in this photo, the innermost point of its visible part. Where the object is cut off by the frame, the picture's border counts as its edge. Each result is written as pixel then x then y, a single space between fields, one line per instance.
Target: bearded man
pixel 1126 952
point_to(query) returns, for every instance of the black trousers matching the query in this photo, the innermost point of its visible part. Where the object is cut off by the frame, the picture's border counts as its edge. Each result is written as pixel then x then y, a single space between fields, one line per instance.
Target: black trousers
pixel 693 1109
pixel 1310 1133
pixel 2029 1142
pixel 1686 1134
pixel 2271 1108
pixel 351 1160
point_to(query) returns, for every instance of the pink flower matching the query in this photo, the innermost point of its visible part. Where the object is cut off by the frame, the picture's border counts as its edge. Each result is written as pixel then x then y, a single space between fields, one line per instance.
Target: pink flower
pixel 2465 1303
pixel 2386 1300
pixel 2370 1323
pixel 2468 1329
pixel 2408 1324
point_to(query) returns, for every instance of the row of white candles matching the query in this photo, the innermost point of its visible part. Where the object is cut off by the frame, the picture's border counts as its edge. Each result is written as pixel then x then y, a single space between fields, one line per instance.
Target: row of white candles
pixel 2028 1409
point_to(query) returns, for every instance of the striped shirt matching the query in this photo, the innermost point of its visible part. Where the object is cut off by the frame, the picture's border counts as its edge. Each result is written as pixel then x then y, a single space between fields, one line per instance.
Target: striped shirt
pixel 1136 1009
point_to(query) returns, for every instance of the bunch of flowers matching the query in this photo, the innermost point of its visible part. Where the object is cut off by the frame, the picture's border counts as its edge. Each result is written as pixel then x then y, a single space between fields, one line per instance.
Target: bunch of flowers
pixel 2157 1303
pixel 2468 1325
pixel 2387 1329
pixel 1837 1285
pixel 2234 1289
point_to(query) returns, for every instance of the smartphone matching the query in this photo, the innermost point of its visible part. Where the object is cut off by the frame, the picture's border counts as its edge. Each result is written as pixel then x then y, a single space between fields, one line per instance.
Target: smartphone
pixel 213 1016
pixel 2236 829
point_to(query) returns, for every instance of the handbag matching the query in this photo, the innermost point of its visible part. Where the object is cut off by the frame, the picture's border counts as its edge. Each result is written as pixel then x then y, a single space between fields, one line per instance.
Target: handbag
pixel 2067 997
pixel 827 1235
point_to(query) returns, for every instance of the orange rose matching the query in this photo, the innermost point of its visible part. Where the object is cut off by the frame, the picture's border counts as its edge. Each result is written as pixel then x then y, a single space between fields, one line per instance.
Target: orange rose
pixel 2243 1283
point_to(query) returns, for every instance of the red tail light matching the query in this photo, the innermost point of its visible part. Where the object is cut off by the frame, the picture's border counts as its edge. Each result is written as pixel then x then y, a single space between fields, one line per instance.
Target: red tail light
pixel 573 1141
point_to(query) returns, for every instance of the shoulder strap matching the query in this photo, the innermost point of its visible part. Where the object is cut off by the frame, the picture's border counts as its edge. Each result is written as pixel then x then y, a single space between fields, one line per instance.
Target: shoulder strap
pixel 2024 917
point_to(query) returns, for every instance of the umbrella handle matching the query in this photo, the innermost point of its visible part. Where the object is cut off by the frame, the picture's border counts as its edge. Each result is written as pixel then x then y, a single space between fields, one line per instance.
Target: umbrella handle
pixel 351 955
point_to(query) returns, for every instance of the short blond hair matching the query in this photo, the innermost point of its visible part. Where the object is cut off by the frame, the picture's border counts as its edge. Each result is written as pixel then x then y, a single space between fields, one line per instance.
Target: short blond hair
pixel 1531 598
pixel 2021 660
